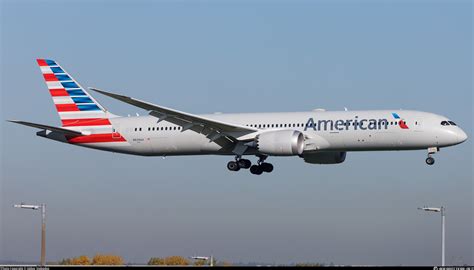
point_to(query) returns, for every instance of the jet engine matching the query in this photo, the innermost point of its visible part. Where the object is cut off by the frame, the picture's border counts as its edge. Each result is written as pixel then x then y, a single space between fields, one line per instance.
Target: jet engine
pixel 281 143
pixel 324 157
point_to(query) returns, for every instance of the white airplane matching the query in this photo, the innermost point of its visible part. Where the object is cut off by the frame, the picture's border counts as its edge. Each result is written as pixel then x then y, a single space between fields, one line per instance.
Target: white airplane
pixel 319 137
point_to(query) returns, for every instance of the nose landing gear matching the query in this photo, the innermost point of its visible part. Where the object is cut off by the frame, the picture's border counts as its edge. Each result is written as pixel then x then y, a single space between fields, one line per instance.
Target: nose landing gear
pixel 430 160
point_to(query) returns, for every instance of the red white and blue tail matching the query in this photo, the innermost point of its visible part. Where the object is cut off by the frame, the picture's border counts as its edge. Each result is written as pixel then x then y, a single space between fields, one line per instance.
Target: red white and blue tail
pixel 74 105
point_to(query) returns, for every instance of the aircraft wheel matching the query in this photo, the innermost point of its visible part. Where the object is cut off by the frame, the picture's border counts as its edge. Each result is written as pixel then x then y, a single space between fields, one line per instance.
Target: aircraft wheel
pixel 244 163
pixel 430 161
pixel 267 167
pixel 255 169
pixel 233 166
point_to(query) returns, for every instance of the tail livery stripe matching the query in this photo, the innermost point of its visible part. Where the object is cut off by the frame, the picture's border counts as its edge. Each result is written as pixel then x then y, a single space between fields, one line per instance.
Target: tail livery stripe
pixel 49 77
pixel 98 138
pixel 86 122
pixel 41 62
pixel 59 92
pixel 81 115
pixel 67 107
pixel 76 107
pixel 68 95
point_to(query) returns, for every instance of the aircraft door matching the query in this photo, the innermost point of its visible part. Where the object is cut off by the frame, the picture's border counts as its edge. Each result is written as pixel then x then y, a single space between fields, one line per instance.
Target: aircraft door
pixel 417 124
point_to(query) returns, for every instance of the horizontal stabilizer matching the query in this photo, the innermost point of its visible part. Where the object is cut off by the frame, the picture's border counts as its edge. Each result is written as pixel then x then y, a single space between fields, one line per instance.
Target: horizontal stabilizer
pixel 56 129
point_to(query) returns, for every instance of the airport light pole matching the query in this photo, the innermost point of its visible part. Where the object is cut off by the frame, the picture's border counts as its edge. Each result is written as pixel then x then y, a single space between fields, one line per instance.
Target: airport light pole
pixel 441 210
pixel 43 226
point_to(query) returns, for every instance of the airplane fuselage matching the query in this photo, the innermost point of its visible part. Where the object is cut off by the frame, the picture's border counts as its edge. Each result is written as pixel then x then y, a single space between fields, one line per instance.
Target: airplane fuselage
pixel 324 131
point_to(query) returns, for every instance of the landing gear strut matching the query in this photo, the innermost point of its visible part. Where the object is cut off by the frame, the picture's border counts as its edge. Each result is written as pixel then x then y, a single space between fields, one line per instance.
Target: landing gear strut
pixel 430 160
pixel 257 169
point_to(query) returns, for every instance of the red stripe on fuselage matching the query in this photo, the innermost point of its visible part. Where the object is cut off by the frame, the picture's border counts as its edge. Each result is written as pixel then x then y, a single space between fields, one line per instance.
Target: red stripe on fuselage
pixel 67 107
pixel 41 62
pixel 61 92
pixel 97 138
pixel 86 122
pixel 50 77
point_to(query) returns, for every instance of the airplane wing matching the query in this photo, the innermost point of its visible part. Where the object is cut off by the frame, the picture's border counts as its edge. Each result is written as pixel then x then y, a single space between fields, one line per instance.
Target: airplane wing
pixel 213 129
pixel 51 128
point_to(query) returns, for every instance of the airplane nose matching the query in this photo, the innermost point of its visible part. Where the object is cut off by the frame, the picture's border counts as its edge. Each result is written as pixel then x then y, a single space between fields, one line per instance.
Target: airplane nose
pixel 462 136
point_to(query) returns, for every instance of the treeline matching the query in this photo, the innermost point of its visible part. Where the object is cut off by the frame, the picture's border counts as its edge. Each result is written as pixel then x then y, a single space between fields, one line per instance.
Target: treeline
pixel 98 259
pixel 110 259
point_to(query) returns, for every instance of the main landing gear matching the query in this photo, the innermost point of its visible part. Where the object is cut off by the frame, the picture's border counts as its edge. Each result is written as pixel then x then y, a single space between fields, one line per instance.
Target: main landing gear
pixel 430 160
pixel 257 169
pixel 238 164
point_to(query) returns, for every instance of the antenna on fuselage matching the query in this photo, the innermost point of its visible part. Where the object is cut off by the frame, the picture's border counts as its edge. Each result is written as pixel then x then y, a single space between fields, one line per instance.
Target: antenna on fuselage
pixel 137 114
pixel 345 109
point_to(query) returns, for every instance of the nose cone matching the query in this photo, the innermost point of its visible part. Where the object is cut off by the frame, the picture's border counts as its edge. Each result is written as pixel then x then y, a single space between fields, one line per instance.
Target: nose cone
pixel 462 136
pixel 451 136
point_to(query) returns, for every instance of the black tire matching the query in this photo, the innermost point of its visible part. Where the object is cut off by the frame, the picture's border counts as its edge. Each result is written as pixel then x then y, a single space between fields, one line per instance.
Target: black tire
pixel 267 167
pixel 244 163
pixel 233 166
pixel 430 161
pixel 257 170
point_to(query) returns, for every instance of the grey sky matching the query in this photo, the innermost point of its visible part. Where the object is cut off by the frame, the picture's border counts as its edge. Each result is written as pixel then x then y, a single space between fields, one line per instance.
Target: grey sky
pixel 240 56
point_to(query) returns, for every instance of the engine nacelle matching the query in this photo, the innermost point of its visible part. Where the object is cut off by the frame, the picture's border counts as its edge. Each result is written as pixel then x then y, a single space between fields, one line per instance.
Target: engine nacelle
pixel 325 157
pixel 281 143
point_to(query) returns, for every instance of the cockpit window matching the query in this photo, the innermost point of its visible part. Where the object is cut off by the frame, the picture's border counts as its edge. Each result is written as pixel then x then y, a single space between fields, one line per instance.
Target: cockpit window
pixel 452 123
pixel 445 123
